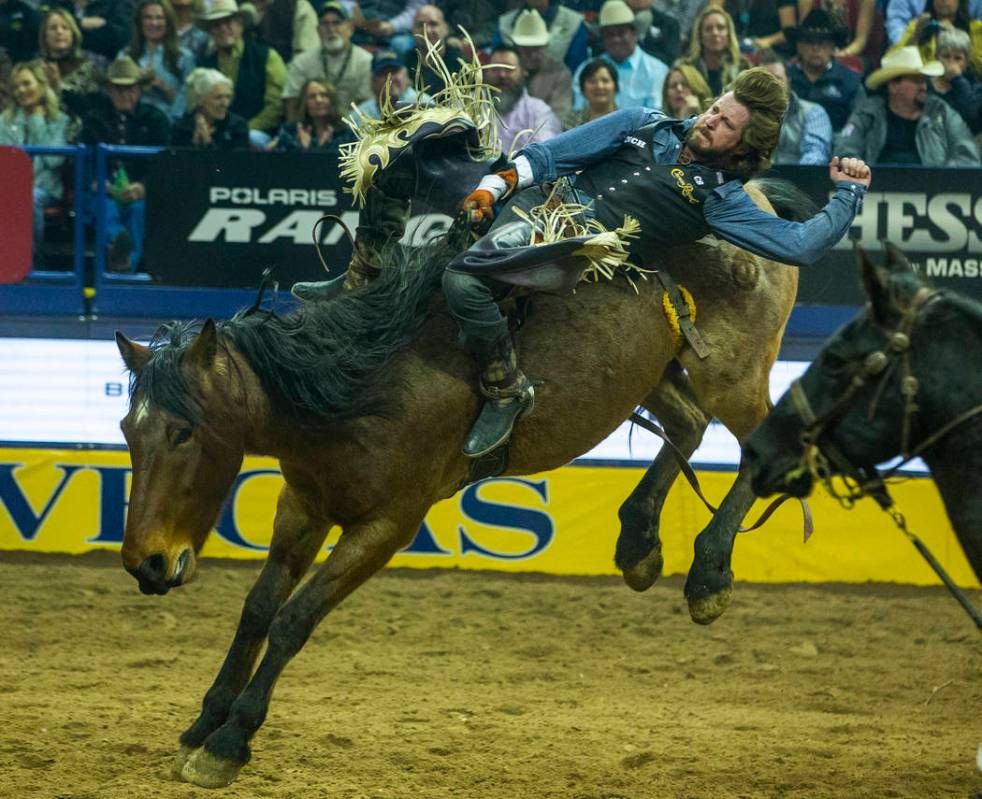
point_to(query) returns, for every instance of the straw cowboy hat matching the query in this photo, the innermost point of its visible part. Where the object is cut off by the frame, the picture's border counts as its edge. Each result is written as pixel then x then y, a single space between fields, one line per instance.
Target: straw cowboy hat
pixel 124 71
pixel 905 61
pixel 615 12
pixel 530 29
pixel 220 9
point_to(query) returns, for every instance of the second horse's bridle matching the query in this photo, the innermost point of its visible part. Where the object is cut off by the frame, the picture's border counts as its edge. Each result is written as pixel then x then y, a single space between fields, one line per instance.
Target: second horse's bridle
pixel 818 454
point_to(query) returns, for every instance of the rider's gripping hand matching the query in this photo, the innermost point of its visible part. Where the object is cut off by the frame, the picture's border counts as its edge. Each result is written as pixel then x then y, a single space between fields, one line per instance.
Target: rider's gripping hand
pixel 479 204
pixel 854 170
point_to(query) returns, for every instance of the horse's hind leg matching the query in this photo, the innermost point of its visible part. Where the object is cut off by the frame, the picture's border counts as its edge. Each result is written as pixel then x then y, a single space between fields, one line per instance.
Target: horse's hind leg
pixel 362 550
pixel 297 537
pixel 638 554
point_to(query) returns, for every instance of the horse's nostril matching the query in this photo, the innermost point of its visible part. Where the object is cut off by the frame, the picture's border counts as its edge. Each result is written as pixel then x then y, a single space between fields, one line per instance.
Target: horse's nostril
pixel 153 569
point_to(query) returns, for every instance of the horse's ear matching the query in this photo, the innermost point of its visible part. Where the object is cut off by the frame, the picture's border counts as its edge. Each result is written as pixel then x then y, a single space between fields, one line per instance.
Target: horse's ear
pixel 135 356
pixel 201 354
pixel 895 261
pixel 875 281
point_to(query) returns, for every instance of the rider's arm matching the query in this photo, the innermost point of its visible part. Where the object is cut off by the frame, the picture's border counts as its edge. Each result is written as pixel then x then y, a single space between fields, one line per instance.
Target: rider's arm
pixel 579 147
pixel 734 216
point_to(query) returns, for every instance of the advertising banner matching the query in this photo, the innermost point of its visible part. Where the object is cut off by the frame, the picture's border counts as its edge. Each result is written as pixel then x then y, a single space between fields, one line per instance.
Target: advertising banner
pixel 561 522
pixel 933 215
pixel 219 219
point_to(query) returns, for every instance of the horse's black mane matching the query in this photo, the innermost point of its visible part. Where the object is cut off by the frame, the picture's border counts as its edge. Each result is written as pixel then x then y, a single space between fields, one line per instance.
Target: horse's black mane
pixel 323 363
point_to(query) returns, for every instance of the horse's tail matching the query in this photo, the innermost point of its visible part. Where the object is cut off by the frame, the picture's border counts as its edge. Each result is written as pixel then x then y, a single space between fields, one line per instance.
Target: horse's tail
pixel 789 201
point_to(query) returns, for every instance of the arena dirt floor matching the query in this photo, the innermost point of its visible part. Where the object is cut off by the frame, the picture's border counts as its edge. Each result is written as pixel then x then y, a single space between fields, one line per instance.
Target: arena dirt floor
pixel 481 685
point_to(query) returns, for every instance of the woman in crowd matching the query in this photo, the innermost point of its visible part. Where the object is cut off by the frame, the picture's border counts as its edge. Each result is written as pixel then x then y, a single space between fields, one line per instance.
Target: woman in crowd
pixel 685 92
pixel 320 127
pixel 208 124
pixel 960 86
pixel 598 84
pixel 32 116
pixel 714 50
pixel 154 47
pixel 70 68
pixel 859 18
pixel 943 15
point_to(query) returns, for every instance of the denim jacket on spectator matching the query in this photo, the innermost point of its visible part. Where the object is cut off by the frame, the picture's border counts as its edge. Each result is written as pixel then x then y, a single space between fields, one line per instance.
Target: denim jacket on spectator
pixel 942 137
pixel 20 129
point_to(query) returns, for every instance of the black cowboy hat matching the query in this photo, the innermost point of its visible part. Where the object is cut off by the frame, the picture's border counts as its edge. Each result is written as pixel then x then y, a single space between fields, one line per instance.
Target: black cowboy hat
pixel 818 26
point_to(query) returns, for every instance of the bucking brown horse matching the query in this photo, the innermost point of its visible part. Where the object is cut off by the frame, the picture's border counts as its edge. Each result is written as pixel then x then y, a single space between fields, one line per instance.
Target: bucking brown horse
pixel 365 400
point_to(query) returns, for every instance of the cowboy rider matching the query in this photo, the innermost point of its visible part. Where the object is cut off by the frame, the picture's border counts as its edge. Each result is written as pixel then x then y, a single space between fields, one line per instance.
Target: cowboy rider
pixel 681 179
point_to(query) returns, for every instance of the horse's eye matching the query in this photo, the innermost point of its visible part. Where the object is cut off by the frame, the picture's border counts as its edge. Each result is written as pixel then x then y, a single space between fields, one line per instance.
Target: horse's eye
pixel 179 435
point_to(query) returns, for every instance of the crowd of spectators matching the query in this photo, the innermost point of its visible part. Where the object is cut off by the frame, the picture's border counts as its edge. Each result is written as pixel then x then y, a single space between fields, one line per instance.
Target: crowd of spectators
pixel 891 81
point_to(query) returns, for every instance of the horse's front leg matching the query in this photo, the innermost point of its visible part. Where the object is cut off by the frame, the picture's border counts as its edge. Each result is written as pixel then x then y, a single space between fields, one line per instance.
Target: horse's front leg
pixel 638 554
pixel 297 537
pixel 362 550
pixel 709 586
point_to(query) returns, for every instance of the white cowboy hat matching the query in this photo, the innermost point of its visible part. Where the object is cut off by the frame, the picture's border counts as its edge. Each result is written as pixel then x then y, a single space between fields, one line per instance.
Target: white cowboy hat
pixel 530 29
pixel 615 12
pixel 219 9
pixel 905 61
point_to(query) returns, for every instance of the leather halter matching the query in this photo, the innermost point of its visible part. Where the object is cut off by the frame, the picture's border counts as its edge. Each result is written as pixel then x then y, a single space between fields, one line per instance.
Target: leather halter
pixel 861 481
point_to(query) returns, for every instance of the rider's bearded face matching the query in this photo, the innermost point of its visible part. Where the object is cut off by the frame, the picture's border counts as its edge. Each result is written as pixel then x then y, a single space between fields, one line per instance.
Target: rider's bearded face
pixel 716 133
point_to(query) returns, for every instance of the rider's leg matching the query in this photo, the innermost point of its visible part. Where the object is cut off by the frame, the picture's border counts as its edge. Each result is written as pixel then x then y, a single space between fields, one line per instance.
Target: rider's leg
pixel 484 332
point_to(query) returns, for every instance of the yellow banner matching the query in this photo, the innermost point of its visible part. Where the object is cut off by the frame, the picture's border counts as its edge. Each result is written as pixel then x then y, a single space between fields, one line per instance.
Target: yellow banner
pixel 561 522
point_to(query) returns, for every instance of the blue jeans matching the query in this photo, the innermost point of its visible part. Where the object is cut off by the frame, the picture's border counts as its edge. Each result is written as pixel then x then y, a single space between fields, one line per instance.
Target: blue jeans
pixel 128 217
pixel 42 199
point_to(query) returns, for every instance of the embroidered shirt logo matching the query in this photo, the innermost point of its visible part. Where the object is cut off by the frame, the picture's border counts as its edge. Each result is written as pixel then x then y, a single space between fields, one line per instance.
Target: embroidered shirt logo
pixel 698 180
pixel 687 188
pixel 635 141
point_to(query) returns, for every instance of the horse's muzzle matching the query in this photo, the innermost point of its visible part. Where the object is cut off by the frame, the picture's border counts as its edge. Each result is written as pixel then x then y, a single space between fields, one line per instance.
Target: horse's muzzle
pixel 151 574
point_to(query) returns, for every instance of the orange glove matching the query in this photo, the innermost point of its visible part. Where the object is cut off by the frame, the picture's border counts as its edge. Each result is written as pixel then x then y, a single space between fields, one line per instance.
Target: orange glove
pixel 479 204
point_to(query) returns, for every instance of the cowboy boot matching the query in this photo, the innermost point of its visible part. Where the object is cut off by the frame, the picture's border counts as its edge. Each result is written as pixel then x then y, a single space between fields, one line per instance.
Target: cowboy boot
pixel 361 270
pixel 509 395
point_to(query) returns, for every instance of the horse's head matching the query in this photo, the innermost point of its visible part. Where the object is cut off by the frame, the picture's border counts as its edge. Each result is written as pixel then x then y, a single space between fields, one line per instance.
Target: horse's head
pixel 854 406
pixel 185 452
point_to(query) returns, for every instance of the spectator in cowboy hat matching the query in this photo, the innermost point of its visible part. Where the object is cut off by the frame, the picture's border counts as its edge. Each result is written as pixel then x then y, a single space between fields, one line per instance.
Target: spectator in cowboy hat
pixel 567 30
pixel 640 77
pixel 902 124
pixel 545 77
pixel 118 115
pixel 522 119
pixel 346 66
pixel 818 77
pixel 257 71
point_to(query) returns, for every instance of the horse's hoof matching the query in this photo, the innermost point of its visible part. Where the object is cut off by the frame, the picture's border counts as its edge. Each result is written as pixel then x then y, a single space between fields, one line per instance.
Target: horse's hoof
pixel 642 575
pixel 705 610
pixel 209 771
pixel 183 755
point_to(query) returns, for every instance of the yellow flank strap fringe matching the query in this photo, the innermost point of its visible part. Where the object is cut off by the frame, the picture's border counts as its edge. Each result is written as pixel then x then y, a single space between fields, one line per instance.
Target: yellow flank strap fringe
pixel 467 103
pixel 672 315
pixel 605 251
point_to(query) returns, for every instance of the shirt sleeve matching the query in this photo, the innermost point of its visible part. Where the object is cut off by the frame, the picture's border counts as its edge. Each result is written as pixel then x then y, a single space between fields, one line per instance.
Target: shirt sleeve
pixel 816 138
pixel 579 147
pixel 269 117
pixel 734 216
